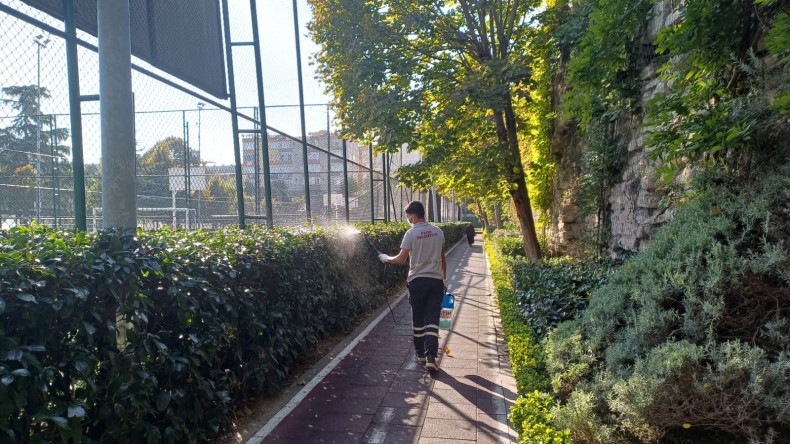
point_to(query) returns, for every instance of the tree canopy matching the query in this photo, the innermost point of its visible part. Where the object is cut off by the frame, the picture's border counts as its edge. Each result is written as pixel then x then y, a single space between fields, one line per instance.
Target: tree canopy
pixel 32 141
pixel 440 77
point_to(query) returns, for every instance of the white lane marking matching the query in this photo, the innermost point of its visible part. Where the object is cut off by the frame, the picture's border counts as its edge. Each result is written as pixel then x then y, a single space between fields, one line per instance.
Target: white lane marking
pixel 267 428
pixel 411 365
pixel 378 436
pixel 387 413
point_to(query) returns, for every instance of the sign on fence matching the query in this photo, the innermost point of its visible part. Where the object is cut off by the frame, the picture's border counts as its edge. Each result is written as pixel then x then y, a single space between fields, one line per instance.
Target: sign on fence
pixel 178 180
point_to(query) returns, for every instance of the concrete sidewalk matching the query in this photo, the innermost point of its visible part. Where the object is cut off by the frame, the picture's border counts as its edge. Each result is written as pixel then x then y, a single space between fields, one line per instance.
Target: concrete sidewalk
pixel 379 393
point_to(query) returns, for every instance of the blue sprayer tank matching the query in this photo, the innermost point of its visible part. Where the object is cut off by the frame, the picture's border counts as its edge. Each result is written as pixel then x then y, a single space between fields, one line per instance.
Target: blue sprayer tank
pixel 446 314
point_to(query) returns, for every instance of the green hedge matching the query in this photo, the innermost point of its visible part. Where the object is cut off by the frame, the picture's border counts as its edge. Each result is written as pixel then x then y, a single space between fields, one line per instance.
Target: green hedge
pixel 158 336
pixel 533 298
pixel 526 357
pixel 555 290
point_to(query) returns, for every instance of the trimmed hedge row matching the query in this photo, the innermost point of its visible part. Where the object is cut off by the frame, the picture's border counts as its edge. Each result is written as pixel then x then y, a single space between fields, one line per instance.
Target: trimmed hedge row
pixel 158 336
pixel 525 355
pixel 533 298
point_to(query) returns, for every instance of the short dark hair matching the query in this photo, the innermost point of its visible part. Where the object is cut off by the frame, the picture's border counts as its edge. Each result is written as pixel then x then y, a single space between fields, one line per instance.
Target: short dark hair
pixel 415 208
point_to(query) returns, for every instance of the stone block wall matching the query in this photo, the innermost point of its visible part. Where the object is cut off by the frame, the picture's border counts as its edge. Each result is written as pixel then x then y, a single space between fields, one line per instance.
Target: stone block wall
pixel 634 202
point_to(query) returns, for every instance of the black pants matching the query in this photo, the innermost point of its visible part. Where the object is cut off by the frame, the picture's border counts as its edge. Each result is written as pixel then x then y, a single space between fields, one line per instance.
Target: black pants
pixel 425 298
pixel 470 238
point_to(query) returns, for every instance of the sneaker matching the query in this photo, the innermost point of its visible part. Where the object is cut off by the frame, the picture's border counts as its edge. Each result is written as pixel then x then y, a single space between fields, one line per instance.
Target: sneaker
pixel 431 364
pixel 421 359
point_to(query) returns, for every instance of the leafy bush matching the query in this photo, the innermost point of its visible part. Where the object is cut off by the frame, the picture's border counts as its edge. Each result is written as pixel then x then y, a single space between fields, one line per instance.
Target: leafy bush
pixel 525 355
pixel 555 290
pixel 531 417
pixel 158 336
pixel 692 334
pixel 508 243
pixel 526 358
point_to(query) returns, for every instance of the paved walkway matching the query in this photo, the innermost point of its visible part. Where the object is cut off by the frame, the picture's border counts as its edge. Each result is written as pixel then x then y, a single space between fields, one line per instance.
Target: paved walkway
pixel 378 393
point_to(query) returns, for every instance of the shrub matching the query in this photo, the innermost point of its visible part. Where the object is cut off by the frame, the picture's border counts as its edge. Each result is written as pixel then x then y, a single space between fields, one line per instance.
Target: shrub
pixel 581 418
pixel 555 290
pixel 531 417
pixel 694 330
pixel 526 358
pixel 158 336
pixel 568 359
pixel 525 355
pixel 507 243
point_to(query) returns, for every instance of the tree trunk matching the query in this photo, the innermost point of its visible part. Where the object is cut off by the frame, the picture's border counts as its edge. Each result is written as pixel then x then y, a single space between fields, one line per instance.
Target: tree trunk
pixel 483 215
pixel 507 136
pixel 498 216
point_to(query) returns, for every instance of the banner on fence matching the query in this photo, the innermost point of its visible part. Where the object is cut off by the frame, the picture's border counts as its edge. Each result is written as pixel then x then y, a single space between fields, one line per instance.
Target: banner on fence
pixel 182 38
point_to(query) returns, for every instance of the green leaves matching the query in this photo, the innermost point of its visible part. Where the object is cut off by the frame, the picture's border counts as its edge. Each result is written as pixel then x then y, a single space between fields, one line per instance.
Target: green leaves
pixel 554 291
pixel 117 335
pixel 429 75
pixel 670 335
pixel 721 90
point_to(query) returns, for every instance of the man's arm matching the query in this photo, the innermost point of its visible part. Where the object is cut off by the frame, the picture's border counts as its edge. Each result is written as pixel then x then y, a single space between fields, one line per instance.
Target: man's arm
pixel 399 259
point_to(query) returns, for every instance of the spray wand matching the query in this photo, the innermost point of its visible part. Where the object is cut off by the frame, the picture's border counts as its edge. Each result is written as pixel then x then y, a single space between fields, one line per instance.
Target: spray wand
pixel 370 241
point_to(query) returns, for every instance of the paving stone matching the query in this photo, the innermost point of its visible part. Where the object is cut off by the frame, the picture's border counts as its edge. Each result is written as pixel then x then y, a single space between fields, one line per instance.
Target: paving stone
pixel 466 412
pixel 392 434
pixel 323 437
pixel 404 400
pixel 449 428
pixel 412 416
pixel 454 396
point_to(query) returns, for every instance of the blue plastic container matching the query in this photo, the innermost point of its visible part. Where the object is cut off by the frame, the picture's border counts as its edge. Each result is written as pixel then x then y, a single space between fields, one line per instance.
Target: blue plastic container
pixel 446 314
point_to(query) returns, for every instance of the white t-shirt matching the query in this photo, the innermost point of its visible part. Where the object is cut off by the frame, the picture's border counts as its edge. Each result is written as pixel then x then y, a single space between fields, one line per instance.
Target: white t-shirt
pixel 424 242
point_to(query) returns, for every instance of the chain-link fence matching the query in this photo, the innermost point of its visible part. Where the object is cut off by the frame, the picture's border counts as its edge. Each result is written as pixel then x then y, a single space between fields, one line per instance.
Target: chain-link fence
pixel 186 173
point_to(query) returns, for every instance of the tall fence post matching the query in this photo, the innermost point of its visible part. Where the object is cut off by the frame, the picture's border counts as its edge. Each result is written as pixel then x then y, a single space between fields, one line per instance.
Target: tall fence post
pixel 345 178
pixel 75 109
pixel 267 181
pixel 328 167
pixel 119 194
pixel 301 114
pixel 234 117
pixel 372 202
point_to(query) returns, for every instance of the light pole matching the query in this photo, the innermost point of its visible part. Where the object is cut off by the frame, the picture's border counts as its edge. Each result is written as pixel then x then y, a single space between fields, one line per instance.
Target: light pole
pixel 200 106
pixel 40 42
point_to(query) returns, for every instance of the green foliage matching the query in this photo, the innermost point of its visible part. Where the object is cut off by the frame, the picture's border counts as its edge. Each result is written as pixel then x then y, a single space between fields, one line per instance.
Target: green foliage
pixel 603 70
pixel 539 115
pixel 525 355
pixel 443 77
pixel 720 93
pixel 555 290
pixel 508 243
pixel 778 43
pixel 158 336
pixel 694 330
pixel 531 417
pixel 580 416
pixel 568 358
pixel 602 160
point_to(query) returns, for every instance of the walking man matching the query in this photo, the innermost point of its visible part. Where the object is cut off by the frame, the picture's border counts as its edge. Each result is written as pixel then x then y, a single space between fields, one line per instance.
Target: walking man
pixel 423 244
pixel 470 233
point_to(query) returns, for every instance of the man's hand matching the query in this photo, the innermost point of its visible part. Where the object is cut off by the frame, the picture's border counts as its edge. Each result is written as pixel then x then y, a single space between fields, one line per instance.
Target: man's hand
pixel 383 257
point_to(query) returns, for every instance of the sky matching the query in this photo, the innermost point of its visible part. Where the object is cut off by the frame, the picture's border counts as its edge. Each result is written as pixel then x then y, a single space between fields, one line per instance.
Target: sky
pixel 163 111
